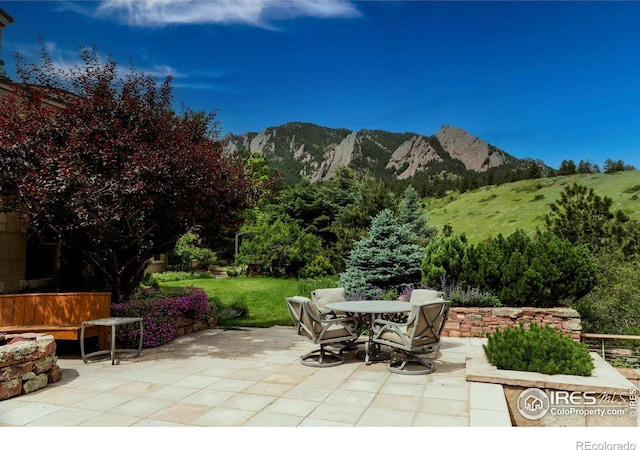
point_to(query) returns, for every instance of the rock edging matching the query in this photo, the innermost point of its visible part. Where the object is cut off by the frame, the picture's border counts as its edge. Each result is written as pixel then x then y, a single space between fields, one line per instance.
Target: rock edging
pixel 27 363
pixel 477 321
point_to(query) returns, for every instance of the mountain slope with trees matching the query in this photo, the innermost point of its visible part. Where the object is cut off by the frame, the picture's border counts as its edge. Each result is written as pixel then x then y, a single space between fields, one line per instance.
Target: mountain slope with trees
pixel 308 151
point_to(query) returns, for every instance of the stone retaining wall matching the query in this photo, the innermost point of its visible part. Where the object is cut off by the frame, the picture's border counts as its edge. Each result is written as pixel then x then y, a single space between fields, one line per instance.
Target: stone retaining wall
pixel 476 322
pixel 186 326
pixel 27 363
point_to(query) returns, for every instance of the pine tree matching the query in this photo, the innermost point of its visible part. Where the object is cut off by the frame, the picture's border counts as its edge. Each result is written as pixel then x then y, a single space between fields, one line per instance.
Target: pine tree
pixel 411 214
pixel 386 259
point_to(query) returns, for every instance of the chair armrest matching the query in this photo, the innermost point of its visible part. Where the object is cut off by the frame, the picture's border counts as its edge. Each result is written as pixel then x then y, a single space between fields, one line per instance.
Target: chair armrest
pixel 381 326
pixel 347 324
pixel 383 323
pixel 339 320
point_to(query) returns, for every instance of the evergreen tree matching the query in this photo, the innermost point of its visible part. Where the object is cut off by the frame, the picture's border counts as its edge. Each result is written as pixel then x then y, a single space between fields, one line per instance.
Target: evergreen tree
pixel 585 167
pixel 278 245
pixel 386 259
pixel 353 220
pixel 411 214
pixel 583 217
pixel 444 259
pixel 567 167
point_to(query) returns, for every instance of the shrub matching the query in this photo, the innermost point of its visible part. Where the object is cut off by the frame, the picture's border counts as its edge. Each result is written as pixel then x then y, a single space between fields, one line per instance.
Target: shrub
pixel 188 249
pixel 458 294
pixel 278 246
pixel 358 295
pixel 613 306
pixel 153 279
pixel 539 349
pixel 541 272
pixel 319 266
pixel 160 310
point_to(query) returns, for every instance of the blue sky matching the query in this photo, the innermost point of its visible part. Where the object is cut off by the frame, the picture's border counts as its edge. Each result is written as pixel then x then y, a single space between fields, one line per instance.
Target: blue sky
pixel 545 80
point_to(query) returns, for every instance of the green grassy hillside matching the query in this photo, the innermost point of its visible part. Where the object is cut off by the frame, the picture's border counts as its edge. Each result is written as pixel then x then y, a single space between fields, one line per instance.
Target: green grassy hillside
pixel 491 210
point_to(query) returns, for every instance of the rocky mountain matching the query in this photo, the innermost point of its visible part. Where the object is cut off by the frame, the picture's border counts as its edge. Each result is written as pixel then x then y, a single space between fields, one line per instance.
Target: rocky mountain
pixel 303 150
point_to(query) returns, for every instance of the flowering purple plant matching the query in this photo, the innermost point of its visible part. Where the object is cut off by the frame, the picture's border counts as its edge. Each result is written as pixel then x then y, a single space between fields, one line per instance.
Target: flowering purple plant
pixel 459 294
pixel 160 310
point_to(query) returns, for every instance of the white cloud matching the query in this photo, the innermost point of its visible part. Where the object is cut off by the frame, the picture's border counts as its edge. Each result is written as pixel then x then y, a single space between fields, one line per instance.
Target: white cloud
pixel 69 61
pixel 249 12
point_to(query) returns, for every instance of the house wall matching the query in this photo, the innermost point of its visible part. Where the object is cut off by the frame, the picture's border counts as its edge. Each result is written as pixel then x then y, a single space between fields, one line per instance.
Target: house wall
pixel 13 241
pixel 13 252
pixel 156 264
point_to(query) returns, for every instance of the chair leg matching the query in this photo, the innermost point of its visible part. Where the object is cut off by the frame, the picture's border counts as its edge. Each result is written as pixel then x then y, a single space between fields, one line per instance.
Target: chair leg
pixel 403 366
pixel 430 349
pixel 322 357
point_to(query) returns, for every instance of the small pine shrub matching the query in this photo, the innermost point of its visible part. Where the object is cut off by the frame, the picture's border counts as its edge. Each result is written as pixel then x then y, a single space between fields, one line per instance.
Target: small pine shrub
pixel 538 349
pixel 538 197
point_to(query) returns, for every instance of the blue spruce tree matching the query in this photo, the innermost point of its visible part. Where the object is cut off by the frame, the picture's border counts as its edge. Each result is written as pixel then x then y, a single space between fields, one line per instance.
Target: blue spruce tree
pixel 386 259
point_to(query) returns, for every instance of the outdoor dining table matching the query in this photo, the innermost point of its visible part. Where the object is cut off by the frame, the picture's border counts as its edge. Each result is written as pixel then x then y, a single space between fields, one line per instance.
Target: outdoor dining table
pixel 368 311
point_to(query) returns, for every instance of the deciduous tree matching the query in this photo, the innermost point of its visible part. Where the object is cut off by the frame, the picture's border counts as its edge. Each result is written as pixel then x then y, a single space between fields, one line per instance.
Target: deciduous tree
pixel 102 163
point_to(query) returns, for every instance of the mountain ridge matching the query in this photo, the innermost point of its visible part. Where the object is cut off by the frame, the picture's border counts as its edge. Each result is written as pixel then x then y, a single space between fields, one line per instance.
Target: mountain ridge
pixel 306 150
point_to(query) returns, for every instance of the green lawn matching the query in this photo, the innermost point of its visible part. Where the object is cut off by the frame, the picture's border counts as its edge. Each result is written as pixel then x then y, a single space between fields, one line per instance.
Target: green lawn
pixel 480 214
pixel 263 297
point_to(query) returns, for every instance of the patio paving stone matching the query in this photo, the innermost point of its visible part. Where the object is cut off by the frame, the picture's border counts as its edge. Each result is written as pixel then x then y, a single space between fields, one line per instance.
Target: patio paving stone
pixel 253 377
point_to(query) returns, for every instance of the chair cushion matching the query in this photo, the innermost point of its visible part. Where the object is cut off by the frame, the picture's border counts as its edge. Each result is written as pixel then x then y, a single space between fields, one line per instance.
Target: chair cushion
pixel 391 336
pixel 425 295
pixel 335 331
pixel 328 295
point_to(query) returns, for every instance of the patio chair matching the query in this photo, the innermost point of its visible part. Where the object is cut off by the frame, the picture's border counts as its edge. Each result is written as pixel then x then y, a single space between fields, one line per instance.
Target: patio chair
pixel 327 332
pixel 421 331
pixel 321 297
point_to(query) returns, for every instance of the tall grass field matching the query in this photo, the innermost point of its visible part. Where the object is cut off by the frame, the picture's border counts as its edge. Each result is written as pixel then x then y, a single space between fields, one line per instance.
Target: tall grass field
pixel 491 210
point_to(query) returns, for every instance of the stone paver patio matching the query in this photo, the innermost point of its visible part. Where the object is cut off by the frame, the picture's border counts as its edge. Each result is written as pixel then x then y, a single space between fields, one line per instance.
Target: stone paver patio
pixel 253 378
